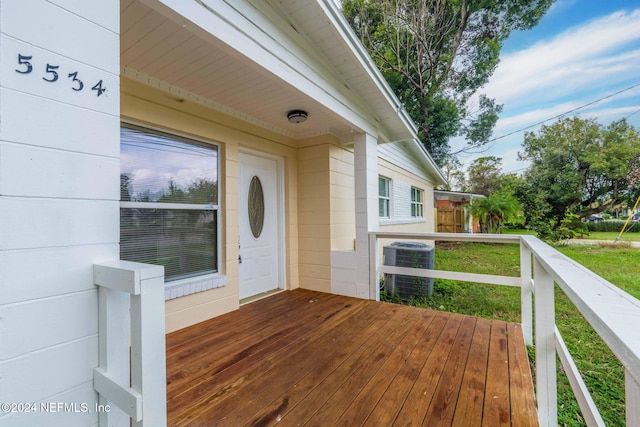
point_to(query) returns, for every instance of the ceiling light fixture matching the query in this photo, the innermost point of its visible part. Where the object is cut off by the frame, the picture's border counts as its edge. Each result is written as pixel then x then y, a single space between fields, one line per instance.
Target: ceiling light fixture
pixel 297 116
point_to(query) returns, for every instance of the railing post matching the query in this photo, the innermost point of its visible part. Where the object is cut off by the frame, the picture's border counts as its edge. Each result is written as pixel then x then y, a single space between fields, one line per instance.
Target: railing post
pixel 546 380
pixel 374 281
pixel 632 398
pixel 131 315
pixel 526 293
pixel 113 329
pixel 148 351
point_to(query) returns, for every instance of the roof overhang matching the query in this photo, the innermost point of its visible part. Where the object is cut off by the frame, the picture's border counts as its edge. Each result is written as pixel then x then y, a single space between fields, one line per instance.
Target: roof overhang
pixel 456 196
pixel 259 59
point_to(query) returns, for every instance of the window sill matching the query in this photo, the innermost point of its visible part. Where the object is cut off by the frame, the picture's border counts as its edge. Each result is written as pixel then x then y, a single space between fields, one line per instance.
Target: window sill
pixel 193 285
pixel 397 221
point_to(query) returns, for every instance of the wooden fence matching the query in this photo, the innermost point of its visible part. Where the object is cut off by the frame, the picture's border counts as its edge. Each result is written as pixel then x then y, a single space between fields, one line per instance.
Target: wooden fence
pixel 450 219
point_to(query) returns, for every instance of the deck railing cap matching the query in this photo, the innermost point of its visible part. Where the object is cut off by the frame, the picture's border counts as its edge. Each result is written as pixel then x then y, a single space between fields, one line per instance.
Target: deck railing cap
pixel 125 275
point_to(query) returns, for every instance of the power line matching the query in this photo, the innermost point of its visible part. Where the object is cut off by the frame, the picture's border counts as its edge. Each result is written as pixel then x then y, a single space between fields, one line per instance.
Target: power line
pixel 568 112
pixel 635 112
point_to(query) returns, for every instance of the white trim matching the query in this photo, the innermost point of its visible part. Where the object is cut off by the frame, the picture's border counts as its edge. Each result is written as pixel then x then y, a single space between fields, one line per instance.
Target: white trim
pixel 176 206
pixel 175 133
pixel 581 392
pixel 333 12
pixel 192 285
pixel 451 275
pixel 397 221
pixel 418 204
pixel 388 198
pixel 282 214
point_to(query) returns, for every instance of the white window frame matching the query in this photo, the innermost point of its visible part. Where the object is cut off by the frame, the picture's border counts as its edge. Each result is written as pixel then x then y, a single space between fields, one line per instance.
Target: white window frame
pixel 203 282
pixel 417 202
pixel 384 199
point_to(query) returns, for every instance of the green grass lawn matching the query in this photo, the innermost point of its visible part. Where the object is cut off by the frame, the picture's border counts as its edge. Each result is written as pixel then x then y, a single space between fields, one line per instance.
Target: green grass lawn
pixel 594 235
pixel 611 236
pixel 602 372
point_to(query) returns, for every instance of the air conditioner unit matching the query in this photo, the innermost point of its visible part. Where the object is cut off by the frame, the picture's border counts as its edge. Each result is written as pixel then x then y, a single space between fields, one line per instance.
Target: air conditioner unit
pixel 408 254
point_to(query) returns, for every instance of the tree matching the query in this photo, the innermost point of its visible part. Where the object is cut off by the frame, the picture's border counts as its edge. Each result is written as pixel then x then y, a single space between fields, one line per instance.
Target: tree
pixel 579 166
pixel 485 176
pixel 452 170
pixel 436 54
pixel 494 210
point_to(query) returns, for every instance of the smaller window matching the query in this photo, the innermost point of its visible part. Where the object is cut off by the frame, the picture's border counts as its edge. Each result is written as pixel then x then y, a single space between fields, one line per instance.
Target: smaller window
pixel 384 198
pixel 417 205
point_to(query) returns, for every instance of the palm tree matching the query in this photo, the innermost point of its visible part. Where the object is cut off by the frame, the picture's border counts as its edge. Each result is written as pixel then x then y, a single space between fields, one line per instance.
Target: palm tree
pixel 492 211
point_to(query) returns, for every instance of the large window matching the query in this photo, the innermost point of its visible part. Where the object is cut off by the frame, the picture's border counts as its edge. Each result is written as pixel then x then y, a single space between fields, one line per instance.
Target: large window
pixel 168 202
pixel 384 197
pixel 417 205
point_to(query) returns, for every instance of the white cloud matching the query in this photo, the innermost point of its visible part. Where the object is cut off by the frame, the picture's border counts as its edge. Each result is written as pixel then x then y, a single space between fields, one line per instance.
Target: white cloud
pixel 563 73
pixel 603 110
pixel 609 114
pixel 560 5
pixel 580 56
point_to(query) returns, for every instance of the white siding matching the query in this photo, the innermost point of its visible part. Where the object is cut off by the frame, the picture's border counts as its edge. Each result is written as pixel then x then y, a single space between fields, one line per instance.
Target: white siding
pixel 396 154
pixel 42 222
pixel 406 171
pixel 82 393
pixel 52 326
pixel 59 191
pixel 77 129
pixel 42 172
pixel 67 32
pixel 61 270
pixel 401 200
pixel 41 375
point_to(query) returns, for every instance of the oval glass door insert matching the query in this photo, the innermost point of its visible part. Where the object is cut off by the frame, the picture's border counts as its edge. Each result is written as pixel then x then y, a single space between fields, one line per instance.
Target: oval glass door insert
pixel 256 207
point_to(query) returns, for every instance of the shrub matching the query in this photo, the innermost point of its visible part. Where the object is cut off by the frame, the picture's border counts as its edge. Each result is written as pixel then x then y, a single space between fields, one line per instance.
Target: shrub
pixel 545 231
pixel 571 226
pixel 614 226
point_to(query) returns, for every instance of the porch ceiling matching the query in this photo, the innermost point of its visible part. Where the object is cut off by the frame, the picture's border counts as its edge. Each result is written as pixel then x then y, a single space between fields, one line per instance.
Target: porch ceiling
pixel 155 46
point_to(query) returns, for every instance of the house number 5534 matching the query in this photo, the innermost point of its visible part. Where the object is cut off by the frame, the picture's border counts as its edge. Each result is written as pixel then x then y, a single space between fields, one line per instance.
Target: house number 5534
pixel 52 75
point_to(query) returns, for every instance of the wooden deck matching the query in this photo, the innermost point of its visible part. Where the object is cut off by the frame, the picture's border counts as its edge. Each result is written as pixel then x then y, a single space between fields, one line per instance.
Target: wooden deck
pixel 308 358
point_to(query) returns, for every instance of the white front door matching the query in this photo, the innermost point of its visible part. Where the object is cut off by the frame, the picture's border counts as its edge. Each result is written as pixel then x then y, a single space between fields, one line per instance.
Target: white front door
pixel 260 219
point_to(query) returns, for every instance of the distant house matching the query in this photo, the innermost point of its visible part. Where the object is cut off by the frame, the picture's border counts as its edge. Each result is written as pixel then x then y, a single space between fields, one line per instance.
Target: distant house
pixel 452 213
pixel 245 146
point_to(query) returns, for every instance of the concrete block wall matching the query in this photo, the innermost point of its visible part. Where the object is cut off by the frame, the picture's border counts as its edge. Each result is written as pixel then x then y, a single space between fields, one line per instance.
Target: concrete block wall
pixel 314 216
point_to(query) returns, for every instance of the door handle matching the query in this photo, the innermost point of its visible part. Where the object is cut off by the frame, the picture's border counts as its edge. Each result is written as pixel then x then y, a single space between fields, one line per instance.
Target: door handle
pixel 240 259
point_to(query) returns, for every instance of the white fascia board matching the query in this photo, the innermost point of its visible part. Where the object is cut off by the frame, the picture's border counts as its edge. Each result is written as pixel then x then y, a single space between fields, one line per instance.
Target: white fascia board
pixel 333 12
pixel 246 32
pixel 459 193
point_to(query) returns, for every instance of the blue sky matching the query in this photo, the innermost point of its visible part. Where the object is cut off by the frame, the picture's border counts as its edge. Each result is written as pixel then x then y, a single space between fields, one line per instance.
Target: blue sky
pixel 581 51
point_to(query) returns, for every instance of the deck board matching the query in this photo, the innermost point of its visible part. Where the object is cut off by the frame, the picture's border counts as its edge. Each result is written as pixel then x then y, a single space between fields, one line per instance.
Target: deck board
pixel 474 380
pixel 304 357
pixel 497 396
pixel 388 407
pixel 445 397
pixel 520 385
pixel 336 382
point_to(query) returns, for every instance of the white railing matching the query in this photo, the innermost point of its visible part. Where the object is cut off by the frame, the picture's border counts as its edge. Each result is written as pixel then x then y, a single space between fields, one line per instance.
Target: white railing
pixel 131 376
pixel 613 314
